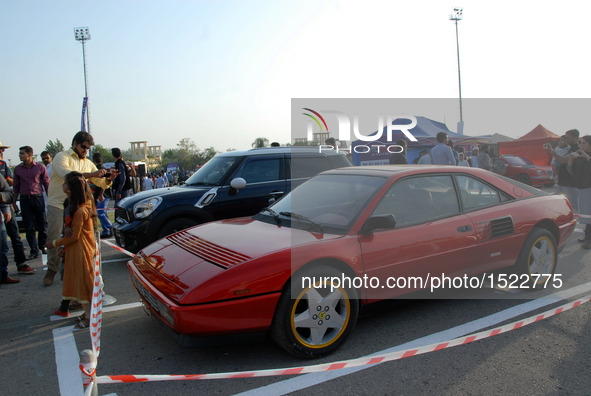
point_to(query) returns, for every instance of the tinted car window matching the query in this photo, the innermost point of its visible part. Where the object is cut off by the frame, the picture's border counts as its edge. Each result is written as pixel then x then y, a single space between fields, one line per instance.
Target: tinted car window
pixel 518 161
pixel 332 201
pixel 474 193
pixel 308 166
pixel 339 161
pixel 213 172
pixel 261 170
pixel 418 200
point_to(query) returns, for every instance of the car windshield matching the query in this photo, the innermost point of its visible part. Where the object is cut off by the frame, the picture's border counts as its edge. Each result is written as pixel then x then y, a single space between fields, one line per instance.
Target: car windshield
pixel 519 161
pixel 328 203
pixel 214 172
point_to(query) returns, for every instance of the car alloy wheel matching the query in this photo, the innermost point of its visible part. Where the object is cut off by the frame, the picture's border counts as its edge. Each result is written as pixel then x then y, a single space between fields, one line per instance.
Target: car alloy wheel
pixel 538 257
pixel 319 318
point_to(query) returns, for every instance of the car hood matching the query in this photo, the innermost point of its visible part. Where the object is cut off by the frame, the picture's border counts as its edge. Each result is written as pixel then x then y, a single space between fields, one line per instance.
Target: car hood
pixel 178 191
pixel 210 261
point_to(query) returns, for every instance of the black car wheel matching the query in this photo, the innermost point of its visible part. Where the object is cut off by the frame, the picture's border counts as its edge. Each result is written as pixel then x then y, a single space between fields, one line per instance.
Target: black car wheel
pixel 176 225
pixel 538 257
pixel 524 179
pixel 320 317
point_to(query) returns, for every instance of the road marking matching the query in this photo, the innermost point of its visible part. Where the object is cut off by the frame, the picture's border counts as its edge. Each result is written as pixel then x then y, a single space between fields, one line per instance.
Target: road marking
pixel 67 357
pixel 308 380
pixel 67 360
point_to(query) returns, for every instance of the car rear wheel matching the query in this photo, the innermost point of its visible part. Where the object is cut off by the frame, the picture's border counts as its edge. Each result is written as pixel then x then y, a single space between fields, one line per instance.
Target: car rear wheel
pixel 538 257
pixel 176 225
pixel 317 320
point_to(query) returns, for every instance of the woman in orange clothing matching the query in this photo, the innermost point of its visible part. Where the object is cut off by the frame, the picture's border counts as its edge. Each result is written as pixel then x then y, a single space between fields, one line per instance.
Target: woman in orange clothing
pixel 79 244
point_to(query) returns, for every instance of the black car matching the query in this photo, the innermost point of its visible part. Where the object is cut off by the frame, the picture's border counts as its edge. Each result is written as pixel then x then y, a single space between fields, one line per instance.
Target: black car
pixel 232 184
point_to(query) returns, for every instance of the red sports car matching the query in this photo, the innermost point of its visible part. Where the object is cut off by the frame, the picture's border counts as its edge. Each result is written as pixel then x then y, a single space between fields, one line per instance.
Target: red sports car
pixel 524 170
pixel 301 269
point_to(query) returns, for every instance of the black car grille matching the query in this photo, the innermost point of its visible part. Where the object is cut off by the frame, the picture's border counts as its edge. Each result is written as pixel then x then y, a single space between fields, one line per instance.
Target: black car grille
pixel 150 299
pixel 496 228
pixel 121 213
pixel 209 251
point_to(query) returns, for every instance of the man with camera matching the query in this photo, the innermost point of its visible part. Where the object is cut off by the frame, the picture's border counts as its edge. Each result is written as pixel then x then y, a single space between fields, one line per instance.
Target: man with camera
pixel 73 159
pixel 102 200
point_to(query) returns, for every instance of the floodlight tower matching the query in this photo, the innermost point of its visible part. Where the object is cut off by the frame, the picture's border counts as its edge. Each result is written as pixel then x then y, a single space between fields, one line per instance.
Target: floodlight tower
pixel 456 16
pixel 82 34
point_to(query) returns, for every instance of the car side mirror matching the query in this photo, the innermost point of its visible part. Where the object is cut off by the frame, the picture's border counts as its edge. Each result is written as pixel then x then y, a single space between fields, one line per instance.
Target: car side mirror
pixel 236 184
pixel 383 222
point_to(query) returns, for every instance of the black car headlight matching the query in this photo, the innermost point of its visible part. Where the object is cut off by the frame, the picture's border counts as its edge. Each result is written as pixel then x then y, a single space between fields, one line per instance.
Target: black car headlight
pixel 145 208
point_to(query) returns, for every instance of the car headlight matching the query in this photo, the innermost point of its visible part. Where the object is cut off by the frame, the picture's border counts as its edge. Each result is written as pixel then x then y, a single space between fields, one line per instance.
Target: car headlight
pixel 540 173
pixel 146 207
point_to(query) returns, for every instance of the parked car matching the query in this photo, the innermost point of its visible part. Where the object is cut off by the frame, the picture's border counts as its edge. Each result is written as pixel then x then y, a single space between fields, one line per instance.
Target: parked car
pixel 524 170
pixel 232 184
pixel 249 274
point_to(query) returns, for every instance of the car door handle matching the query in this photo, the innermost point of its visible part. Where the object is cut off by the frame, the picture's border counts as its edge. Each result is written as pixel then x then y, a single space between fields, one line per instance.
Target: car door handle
pixel 276 193
pixel 465 228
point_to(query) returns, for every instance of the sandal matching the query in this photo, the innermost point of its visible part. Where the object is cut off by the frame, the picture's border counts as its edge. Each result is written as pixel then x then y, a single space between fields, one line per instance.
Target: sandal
pixel 81 318
pixel 61 313
pixel 75 306
pixel 83 324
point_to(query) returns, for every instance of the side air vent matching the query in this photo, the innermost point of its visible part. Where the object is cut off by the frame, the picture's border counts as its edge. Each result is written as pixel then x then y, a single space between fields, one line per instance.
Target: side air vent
pixel 496 228
pixel 206 250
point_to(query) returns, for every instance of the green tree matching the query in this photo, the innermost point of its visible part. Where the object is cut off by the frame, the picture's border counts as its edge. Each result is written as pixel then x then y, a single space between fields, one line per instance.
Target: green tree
pixel 260 142
pixel 54 147
pixel 105 153
pixel 187 149
pixel 168 156
pixel 203 156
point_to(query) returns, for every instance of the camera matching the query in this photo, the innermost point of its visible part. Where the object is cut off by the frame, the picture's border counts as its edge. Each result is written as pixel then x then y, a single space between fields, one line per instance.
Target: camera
pixel 108 174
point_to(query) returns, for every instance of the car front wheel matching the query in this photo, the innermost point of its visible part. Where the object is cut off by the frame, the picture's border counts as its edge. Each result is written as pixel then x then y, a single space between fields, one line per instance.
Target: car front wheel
pixel 525 179
pixel 176 225
pixel 538 257
pixel 318 317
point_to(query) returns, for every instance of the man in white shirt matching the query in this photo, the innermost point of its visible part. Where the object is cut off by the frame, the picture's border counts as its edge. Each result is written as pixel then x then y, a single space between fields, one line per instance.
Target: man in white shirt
pixel 148 183
pixel 441 154
pixel 160 183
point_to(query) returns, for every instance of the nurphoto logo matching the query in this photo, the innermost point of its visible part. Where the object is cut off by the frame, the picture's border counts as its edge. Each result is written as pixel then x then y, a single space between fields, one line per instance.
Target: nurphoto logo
pixel 344 129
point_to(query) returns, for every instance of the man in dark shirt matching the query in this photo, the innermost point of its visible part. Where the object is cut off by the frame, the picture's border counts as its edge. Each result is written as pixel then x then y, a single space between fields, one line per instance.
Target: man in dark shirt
pixel 30 179
pixel 11 225
pixel 6 198
pixel 566 183
pixel 399 158
pixel 122 184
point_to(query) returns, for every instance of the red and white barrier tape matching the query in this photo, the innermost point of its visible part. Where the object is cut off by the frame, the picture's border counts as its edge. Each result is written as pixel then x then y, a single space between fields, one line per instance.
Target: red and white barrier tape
pixel 96 307
pixel 580 216
pixel 117 248
pixel 365 361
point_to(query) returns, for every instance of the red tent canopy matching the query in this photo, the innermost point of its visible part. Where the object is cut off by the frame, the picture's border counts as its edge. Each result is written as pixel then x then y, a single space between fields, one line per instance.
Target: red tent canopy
pixel 530 146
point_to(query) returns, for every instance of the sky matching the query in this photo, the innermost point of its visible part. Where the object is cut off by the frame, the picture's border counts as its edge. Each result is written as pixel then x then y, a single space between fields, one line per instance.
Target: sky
pixel 223 72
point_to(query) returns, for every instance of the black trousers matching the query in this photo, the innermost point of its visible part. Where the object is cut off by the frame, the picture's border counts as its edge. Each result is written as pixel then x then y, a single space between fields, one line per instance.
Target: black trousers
pixel 15 239
pixel 35 219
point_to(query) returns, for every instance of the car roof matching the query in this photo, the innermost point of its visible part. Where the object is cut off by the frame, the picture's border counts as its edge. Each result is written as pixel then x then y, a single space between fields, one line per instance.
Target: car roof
pixel 283 150
pixel 404 170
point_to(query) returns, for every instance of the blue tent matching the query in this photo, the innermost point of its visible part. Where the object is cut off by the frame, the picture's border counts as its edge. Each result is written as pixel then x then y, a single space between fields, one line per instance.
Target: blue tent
pixel 425 132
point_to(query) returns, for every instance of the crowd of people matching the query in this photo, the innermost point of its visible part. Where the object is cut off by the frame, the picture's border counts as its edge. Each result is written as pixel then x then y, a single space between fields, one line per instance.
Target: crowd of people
pixel 444 153
pixel 62 200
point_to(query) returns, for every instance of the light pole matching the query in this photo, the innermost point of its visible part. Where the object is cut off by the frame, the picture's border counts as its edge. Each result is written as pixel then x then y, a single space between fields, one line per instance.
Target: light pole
pixel 457 16
pixel 83 35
